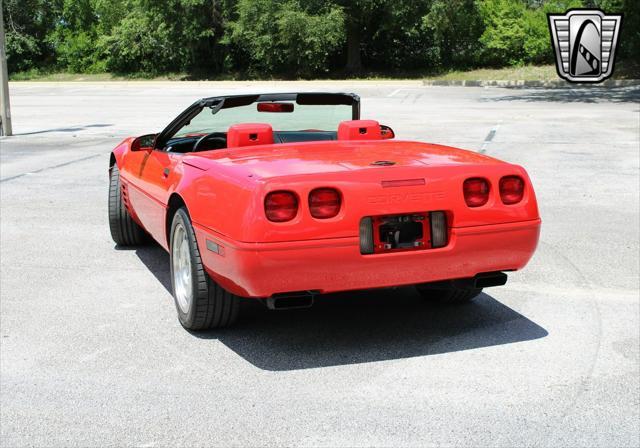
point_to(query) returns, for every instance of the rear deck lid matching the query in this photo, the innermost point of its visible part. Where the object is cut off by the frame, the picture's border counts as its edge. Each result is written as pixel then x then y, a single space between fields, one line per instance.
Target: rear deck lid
pixel 329 157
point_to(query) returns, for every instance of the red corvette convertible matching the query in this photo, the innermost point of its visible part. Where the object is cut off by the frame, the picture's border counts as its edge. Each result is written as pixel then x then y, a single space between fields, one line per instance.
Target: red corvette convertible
pixel 281 197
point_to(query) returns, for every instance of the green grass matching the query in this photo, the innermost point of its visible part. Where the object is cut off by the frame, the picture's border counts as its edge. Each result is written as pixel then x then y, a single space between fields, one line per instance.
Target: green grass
pixel 525 73
pixel 36 75
pixel 623 70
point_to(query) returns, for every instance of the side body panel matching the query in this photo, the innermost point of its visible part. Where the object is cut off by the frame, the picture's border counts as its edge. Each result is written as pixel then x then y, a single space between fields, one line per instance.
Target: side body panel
pixel 149 178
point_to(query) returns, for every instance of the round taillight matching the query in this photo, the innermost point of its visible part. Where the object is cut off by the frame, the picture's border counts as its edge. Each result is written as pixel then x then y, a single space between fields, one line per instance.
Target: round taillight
pixel 281 206
pixel 476 191
pixel 511 189
pixel 324 203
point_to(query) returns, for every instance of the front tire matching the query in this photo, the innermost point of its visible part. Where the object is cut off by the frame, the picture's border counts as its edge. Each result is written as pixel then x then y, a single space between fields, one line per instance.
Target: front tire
pixel 448 292
pixel 124 230
pixel 201 303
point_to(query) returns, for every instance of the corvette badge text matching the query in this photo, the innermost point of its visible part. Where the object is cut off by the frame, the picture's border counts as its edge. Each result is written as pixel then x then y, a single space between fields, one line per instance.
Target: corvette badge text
pixel 403 198
pixel 585 42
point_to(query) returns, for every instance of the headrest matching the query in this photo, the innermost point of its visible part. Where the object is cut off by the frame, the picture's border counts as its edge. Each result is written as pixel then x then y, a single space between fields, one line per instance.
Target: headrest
pixel 359 130
pixel 249 134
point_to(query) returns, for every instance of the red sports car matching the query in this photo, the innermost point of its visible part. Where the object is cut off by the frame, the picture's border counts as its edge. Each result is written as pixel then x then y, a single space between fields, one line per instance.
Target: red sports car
pixel 281 197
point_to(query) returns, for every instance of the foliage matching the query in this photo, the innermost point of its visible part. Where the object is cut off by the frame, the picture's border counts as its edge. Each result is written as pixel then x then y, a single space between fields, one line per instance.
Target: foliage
pixel 456 26
pixel 138 43
pixel 395 38
pixel 28 24
pixel 516 31
pixel 504 34
pixel 281 37
pixel 291 38
pixel 630 34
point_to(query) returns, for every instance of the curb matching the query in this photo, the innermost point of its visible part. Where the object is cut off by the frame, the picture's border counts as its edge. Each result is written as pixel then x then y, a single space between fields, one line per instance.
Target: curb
pixel 552 84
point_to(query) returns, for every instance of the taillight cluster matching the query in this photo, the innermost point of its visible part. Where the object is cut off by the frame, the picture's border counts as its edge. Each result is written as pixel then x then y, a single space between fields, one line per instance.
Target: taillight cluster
pixel 282 206
pixel 476 190
pixel 511 189
pixel 324 203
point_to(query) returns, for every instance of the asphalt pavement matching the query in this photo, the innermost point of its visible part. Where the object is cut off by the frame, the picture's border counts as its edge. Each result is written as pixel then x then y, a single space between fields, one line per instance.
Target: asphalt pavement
pixel 92 354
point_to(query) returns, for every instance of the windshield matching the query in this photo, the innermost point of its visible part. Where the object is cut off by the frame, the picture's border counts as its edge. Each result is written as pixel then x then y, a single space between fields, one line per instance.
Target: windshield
pixel 303 117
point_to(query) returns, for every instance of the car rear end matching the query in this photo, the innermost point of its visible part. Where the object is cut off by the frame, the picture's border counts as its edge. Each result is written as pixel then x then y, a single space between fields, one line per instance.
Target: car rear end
pixel 370 222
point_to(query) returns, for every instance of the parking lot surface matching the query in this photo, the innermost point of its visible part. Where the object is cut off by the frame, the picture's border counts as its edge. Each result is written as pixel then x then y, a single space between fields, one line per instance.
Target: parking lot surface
pixel 92 354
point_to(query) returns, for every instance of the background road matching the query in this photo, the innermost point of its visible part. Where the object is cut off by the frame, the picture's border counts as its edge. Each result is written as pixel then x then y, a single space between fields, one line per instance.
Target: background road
pixel 92 353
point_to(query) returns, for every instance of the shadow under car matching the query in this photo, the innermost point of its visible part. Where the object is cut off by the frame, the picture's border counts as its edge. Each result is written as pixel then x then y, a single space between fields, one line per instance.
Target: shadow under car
pixel 359 326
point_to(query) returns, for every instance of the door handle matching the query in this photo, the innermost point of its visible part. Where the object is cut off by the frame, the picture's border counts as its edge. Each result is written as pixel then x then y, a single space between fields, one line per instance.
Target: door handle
pixel 165 172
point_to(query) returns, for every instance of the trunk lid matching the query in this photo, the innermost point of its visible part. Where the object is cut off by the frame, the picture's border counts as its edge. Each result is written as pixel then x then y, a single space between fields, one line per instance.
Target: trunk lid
pixel 329 157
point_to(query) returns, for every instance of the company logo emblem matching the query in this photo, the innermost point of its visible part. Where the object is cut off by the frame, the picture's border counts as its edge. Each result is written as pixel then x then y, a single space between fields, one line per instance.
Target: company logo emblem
pixel 585 44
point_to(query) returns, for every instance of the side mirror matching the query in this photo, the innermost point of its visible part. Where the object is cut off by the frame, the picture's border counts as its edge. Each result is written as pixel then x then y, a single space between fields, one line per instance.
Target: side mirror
pixel 386 132
pixel 143 143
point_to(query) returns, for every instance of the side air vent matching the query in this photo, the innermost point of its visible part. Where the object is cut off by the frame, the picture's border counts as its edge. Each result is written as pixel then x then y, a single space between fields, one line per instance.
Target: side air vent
pixel 125 197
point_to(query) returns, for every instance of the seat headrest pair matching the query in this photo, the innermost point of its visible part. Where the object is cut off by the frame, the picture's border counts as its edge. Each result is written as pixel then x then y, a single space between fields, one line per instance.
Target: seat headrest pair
pixel 250 134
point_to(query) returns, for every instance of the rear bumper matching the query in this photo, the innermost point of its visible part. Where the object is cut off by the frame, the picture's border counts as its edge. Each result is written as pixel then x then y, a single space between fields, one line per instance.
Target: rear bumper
pixel 331 265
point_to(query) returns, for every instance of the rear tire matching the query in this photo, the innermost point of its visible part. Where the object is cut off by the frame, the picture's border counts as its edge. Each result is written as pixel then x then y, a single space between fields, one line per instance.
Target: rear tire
pixel 124 230
pixel 447 292
pixel 201 303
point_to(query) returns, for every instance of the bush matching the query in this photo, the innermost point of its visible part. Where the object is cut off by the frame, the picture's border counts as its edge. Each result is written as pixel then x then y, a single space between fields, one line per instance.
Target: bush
pixel 23 51
pixel 280 37
pixel 77 53
pixel 504 35
pixel 456 26
pixel 137 44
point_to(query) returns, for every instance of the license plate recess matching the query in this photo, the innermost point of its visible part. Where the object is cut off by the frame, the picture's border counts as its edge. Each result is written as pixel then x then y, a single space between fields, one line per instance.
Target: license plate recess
pixel 399 233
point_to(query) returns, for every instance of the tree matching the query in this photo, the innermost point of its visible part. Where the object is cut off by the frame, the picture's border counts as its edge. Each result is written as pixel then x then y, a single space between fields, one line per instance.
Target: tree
pixel 382 34
pixel 505 33
pixel 629 38
pixel 158 36
pixel 395 39
pixel 282 37
pixel 28 24
pixel 456 26
pixel 290 37
pixel 75 36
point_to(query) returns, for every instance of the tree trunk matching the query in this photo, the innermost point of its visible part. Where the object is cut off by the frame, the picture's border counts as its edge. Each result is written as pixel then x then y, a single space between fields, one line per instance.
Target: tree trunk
pixel 354 62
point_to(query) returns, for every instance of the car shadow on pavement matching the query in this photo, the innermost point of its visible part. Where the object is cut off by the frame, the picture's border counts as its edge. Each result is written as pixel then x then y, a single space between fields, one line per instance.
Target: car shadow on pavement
pixel 359 327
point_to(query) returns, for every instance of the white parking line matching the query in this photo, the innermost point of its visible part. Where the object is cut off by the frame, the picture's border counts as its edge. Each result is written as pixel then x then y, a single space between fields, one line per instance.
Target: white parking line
pixel 489 137
pixel 394 92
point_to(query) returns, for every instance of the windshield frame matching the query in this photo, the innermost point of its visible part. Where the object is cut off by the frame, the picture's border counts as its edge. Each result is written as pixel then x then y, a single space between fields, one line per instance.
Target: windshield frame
pixel 229 101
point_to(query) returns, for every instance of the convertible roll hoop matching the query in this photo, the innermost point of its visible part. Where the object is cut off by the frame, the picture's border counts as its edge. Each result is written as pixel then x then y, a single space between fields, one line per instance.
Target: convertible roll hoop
pixel 229 101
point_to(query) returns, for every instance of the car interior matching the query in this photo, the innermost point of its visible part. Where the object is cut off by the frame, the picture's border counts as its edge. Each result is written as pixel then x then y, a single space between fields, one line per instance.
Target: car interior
pixel 253 134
